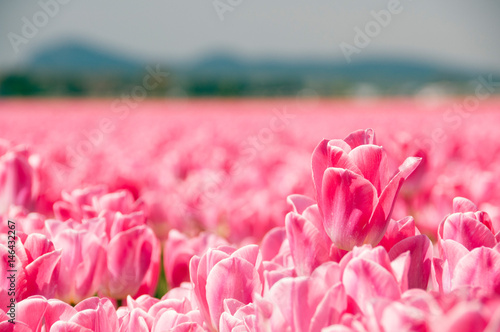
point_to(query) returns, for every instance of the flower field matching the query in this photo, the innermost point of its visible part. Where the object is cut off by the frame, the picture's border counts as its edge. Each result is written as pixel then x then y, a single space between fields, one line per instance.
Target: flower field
pixel 250 215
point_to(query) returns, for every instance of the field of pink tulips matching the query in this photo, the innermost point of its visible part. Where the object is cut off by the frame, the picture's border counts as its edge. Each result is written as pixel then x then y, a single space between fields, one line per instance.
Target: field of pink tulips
pixel 250 215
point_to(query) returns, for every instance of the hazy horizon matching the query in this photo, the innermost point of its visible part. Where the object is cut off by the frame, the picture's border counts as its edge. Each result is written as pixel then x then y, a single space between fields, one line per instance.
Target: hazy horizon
pixel 455 33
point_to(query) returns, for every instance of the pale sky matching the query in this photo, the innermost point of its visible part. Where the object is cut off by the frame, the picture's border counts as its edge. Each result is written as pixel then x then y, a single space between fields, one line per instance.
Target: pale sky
pixel 455 32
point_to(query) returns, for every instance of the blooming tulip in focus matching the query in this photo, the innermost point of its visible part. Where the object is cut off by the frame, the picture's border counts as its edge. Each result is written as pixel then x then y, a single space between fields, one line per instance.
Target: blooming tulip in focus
pixel 354 188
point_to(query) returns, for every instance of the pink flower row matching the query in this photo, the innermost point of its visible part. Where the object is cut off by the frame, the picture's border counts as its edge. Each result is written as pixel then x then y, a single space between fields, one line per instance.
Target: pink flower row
pixel 339 262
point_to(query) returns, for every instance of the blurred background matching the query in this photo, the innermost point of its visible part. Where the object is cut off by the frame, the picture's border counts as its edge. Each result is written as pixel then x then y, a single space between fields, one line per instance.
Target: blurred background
pixel 234 48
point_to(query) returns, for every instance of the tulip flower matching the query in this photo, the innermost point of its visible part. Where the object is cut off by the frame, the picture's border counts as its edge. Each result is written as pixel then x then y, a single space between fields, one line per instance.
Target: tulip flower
pixel 179 249
pixel 469 250
pixel 150 314
pixel 304 303
pixel 16 178
pixel 309 244
pixel 37 266
pixel 132 250
pixel 26 222
pixel 398 230
pixel 132 256
pixel 94 201
pixel 368 275
pixel 29 315
pixel 237 317
pixel 354 189
pixel 92 314
pixel 225 273
pixel 83 257
pixel 468 226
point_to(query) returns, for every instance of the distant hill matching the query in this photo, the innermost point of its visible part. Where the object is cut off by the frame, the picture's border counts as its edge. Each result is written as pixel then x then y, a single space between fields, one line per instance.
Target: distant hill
pixel 74 68
pixel 73 57
pixel 76 58
pixel 368 70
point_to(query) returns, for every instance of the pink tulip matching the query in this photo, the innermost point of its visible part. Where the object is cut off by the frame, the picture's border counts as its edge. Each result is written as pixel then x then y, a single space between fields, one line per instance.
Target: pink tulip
pixel 470 253
pixel 29 315
pixel 397 231
pixel 92 314
pixel 83 257
pixel 468 226
pixel 37 267
pixel 95 201
pixel 354 189
pixel 414 312
pixel 130 274
pixel 179 249
pixel 77 205
pixel 479 268
pixel 310 246
pixel 27 223
pixel 132 261
pixel 170 320
pixel 465 316
pixel 58 312
pixel 132 249
pixel 304 303
pixel 278 260
pixel 273 243
pixel 37 314
pixel 225 273
pixel 237 317
pixel 369 276
pixel 149 314
pixel 184 291
pixel 16 178
pixel 420 252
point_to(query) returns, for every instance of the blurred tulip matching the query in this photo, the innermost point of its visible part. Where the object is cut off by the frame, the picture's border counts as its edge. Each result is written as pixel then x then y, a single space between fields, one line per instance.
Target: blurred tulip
pixel 225 273
pixel 83 257
pixel 131 254
pixel 16 178
pixel 179 249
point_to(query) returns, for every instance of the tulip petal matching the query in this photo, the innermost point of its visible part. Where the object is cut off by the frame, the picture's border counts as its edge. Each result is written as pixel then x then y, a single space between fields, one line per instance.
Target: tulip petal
pixel 329 154
pixel 306 245
pixel 480 268
pixel 462 205
pixel 31 312
pixel 297 299
pixel 365 281
pixel 58 311
pixel 360 137
pixel 386 201
pixel 420 248
pixel 42 275
pixel 329 310
pixel 231 278
pixel 300 202
pixel 372 162
pixel 62 326
pixel 347 202
pixel 467 231
pixel 272 242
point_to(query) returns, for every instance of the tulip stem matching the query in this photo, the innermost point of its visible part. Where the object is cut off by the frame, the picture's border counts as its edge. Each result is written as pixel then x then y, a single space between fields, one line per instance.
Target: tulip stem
pixel 162 287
